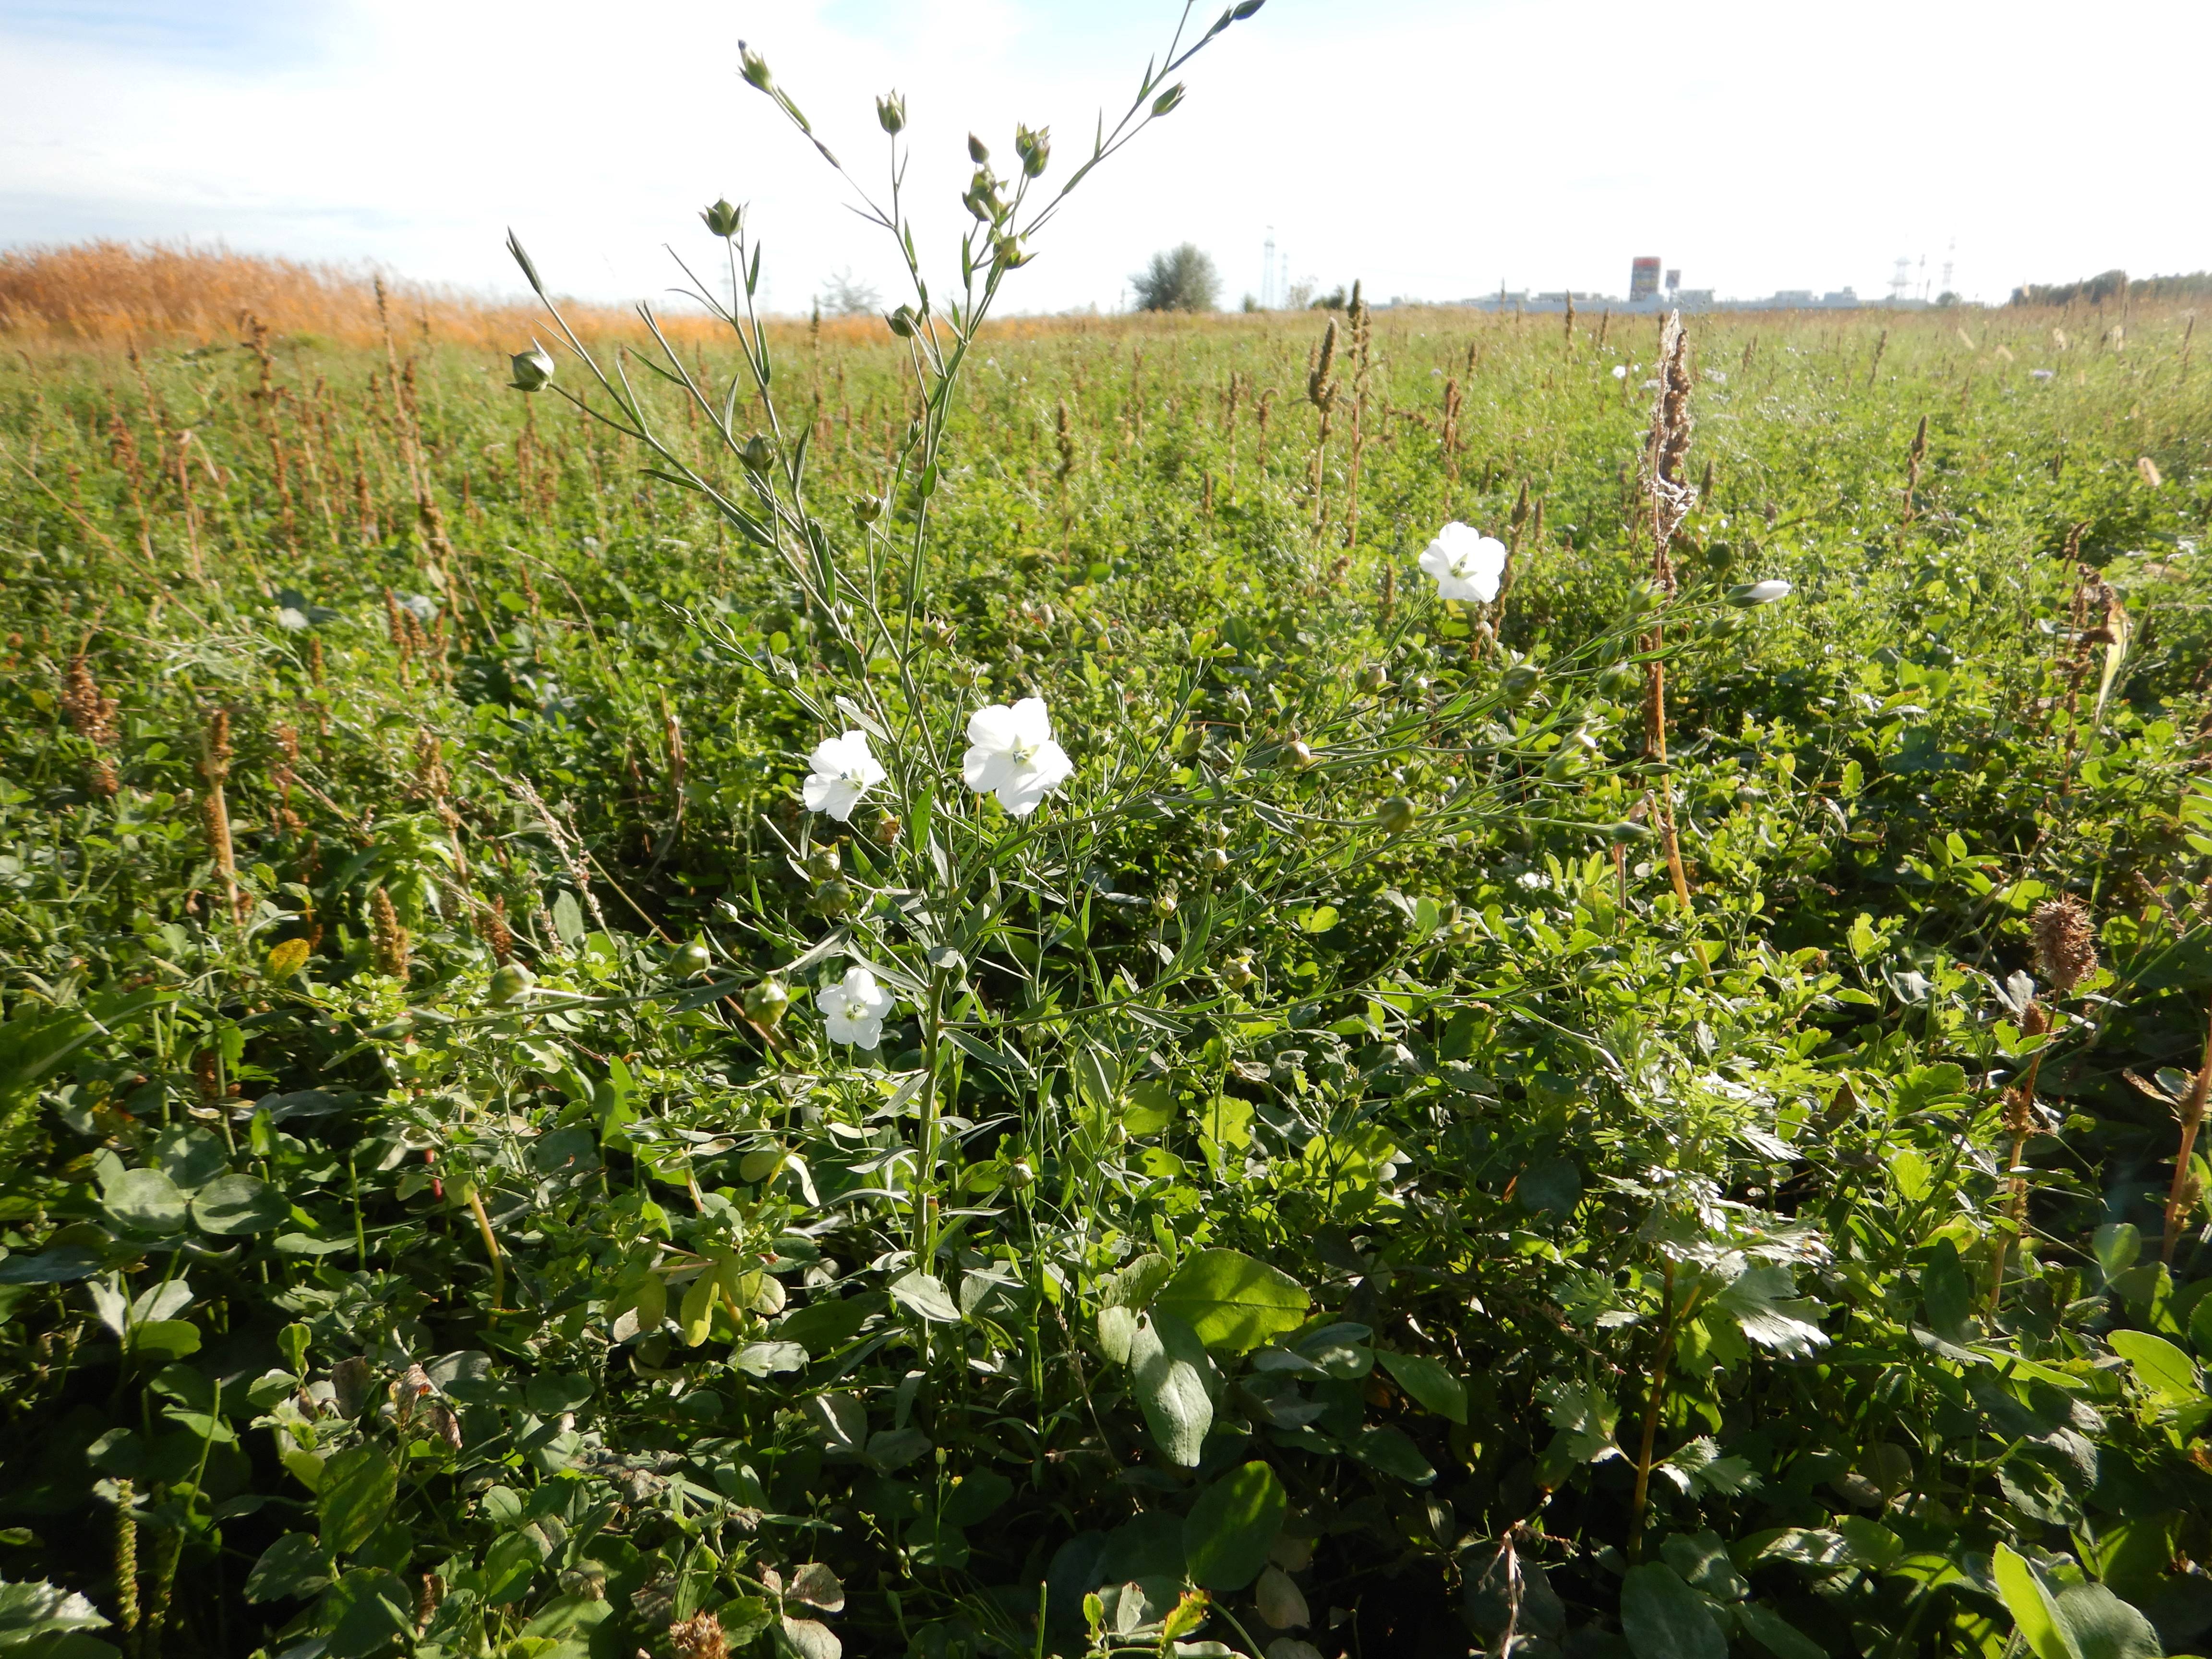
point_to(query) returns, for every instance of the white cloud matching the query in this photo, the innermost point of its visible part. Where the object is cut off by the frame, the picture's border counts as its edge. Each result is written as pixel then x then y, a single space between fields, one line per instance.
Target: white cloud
pixel 1434 149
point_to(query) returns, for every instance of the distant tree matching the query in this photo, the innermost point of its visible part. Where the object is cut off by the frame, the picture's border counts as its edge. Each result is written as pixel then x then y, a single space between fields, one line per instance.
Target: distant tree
pixel 1335 301
pixel 845 295
pixel 1180 279
pixel 2114 285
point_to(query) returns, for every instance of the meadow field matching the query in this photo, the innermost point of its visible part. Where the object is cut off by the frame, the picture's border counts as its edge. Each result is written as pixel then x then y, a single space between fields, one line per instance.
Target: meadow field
pixel 1651 1114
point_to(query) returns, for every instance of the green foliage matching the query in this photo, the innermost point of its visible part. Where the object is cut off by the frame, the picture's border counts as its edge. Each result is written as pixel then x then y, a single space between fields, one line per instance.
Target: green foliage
pixel 1411 1242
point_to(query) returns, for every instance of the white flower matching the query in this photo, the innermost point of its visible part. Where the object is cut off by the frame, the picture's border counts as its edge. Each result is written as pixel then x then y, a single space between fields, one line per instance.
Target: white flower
pixel 2040 373
pixel 844 771
pixel 1621 371
pixel 853 1011
pixel 1011 754
pixel 1764 592
pixel 1466 563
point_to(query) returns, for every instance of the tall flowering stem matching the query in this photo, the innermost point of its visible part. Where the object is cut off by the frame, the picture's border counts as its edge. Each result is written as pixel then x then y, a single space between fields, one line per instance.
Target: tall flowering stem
pixel 1671 500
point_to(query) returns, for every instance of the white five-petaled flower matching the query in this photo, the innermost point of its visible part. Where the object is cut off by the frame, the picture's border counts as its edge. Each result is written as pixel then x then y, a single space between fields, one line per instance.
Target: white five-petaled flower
pixel 853 1009
pixel 1012 755
pixel 1466 563
pixel 1767 591
pixel 844 771
pixel 1621 371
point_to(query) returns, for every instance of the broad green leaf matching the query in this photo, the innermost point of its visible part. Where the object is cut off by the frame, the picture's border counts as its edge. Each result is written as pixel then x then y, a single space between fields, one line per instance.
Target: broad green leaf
pixel 1764 1300
pixel 1233 1301
pixel 976 1497
pixel 2116 1245
pixel 1117 1328
pixel 370 1611
pixel 292 1566
pixel 1910 1174
pixel 924 1295
pixel 358 1486
pixel 1169 1386
pixel 765 1359
pixel 1663 1618
pixel 1392 1450
pixel 173 1337
pixel 826 1324
pixel 1232 1526
pixel 30 1611
pixel 1585 1417
pixel 1948 1297
pixel 1777 1634
pixel 810 1639
pixel 146 1201
pixel 1429 1381
pixel 2034 1610
pixel 236 1204
pixel 2164 1371
pixel 2100 1625
pixel 697 1312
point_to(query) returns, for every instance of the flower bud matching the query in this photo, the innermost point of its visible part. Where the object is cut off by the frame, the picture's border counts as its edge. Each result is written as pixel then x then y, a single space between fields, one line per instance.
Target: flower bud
pixel 754 67
pixel 1626 831
pixel 1245 7
pixel 826 864
pixel 867 509
pixel 1727 625
pixel 1215 861
pixel 978 151
pixel 759 454
pixel 1164 901
pixel 1617 682
pixel 1518 684
pixel 1396 815
pixel 511 982
pixel 901 322
pixel 1301 754
pixel 1034 149
pixel 1194 741
pixel 1021 1173
pixel 686 960
pixel 532 369
pixel 765 1003
pixel 724 221
pixel 890 113
pixel 1238 972
pixel 1168 99
pixel 1755 593
pixel 1008 251
pixel 1374 677
pixel 1563 763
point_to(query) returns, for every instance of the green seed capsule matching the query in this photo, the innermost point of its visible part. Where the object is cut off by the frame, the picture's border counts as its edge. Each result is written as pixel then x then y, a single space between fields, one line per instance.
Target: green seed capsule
pixel 686 960
pixel 1518 684
pixel 510 983
pixel 1396 815
pixel 766 1003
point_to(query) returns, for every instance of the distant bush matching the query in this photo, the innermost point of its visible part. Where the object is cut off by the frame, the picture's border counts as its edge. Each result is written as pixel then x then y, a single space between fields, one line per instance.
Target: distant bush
pixel 2113 285
pixel 1180 279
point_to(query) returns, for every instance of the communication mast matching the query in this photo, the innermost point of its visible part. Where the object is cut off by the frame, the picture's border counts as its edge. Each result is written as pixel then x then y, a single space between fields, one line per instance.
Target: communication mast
pixel 1950 259
pixel 1900 279
pixel 1267 273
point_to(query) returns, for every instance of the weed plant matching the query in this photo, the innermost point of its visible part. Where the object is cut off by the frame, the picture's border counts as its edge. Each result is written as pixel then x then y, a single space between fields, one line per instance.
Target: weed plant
pixel 1316 1187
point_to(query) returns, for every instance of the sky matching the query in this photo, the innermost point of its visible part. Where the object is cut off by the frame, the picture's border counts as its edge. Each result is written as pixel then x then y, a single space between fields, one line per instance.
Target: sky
pixel 1435 149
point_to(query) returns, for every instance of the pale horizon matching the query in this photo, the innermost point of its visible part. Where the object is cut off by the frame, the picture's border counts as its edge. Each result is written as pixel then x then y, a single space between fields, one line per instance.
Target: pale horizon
pixel 1435 152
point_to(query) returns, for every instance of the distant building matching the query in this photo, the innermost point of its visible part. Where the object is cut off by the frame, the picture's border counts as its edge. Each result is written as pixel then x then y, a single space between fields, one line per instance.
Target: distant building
pixel 1642 280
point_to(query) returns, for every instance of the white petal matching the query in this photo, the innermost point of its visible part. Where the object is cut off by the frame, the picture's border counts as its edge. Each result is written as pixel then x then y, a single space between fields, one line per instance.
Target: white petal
pixel 992 728
pixel 1032 724
pixel 839 800
pixel 1020 795
pixel 829 756
pixel 1049 765
pixel 1488 559
pixel 985 768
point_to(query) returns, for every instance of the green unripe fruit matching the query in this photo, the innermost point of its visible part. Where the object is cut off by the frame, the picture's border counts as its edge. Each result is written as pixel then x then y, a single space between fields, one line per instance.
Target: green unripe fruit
pixel 1374 677
pixel 1396 815
pixel 1518 684
pixel 1236 973
pixel 1020 1174
pixel 1563 763
pixel 1627 832
pixel 766 1003
pixel 1618 681
pixel 867 509
pixel 759 454
pixel 834 898
pixel 826 863
pixel 1164 901
pixel 1301 755
pixel 1194 740
pixel 1214 859
pixel 686 960
pixel 723 220
pixel 510 983
pixel 1725 626
pixel 1646 595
